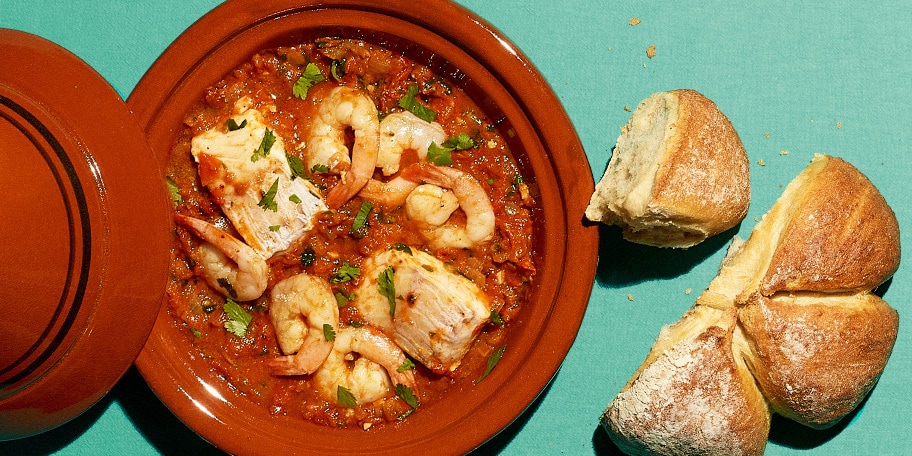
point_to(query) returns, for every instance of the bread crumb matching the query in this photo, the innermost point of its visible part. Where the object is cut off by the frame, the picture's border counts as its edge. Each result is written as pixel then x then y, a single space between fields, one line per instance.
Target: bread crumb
pixel 651 51
pixel 634 21
pixel 630 297
pixel 761 162
pixel 838 124
pixel 688 291
pixel 767 134
pixel 783 152
pixel 626 108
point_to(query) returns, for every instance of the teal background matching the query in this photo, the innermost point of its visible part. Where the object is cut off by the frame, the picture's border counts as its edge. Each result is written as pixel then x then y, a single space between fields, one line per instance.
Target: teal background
pixel 803 77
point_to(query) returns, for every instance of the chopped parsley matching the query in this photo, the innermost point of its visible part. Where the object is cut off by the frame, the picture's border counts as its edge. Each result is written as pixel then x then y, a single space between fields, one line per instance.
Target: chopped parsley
pixel 403 248
pixel 308 256
pixel 328 332
pixel 388 288
pixel 492 362
pixel 405 393
pixel 406 365
pixel 439 156
pixel 345 273
pixel 174 191
pixel 319 168
pixel 411 104
pixel 361 216
pixel 461 141
pixel 343 298
pixel 233 125
pixel 296 166
pixel 265 146
pixel 275 228
pixel 346 397
pixel 496 318
pixel 311 76
pixel 238 318
pixel 268 201
pixel 294 198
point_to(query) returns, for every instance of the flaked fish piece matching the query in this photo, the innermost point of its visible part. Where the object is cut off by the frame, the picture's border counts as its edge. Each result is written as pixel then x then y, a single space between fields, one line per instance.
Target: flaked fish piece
pixel 435 314
pixel 246 169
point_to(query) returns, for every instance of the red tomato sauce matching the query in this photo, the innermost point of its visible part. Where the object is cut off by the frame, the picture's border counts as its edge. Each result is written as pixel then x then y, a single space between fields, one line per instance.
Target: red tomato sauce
pixel 502 267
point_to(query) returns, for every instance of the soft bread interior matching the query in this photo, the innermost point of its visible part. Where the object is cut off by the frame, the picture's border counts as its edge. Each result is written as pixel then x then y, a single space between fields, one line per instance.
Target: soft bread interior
pixel 626 187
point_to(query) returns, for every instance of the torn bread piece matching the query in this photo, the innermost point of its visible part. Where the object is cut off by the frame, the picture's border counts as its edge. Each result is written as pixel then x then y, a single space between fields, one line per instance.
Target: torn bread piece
pixel 678 173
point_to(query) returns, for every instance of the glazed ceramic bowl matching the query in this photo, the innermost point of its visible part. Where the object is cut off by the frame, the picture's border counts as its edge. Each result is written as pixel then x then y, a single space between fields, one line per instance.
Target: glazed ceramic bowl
pixel 506 85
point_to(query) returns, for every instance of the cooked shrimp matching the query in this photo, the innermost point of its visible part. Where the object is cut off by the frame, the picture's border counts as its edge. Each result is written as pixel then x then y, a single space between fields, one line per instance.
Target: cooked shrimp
pixel 300 307
pixel 474 202
pixel 403 130
pixel 238 178
pixel 345 107
pixel 437 313
pixel 391 193
pixel 228 265
pixel 369 376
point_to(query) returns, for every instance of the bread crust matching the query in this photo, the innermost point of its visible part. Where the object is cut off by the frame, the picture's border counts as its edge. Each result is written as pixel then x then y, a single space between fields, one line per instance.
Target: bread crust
pixel 698 184
pixel 803 329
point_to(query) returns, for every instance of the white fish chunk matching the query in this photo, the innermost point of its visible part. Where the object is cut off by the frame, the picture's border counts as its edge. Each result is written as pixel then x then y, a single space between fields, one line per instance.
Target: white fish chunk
pixel 437 313
pixel 254 185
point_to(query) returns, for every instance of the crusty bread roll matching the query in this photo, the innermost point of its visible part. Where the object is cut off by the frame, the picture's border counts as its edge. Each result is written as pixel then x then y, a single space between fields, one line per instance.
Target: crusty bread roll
pixel 807 337
pixel 678 173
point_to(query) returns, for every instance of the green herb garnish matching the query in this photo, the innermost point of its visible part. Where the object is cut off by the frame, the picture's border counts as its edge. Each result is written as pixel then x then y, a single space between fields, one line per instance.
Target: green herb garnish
pixel 311 76
pixel 268 201
pixel 461 141
pixel 337 69
pixel 296 166
pixel 328 332
pixel 405 393
pixel 388 288
pixel 406 365
pixel 265 146
pixel 411 104
pixel 308 256
pixel 294 198
pixel 361 216
pixel 174 191
pixel 342 298
pixel 275 228
pixel 403 248
pixel 439 156
pixel 238 318
pixel 496 318
pixel 345 273
pixel 233 125
pixel 319 168
pixel 492 362
pixel 345 397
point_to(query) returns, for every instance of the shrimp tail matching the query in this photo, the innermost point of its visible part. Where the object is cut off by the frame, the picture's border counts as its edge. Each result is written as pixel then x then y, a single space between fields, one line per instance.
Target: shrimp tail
pixel 307 360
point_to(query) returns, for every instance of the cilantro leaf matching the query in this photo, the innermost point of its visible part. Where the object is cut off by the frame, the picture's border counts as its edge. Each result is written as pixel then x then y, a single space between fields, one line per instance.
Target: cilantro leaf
pixel 328 332
pixel 439 156
pixel 319 168
pixel 345 273
pixel 346 397
pixel 174 191
pixel 233 125
pixel 238 318
pixel 308 256
pixel 461 141
pixel 411 104
pixel 405 393
pixel 311 76
pixel 403 248
pixel 361 216
pixel 492 362
pixel 294 198
pixel 268 200
pixel 296 166
pixel 406 365
pixel 387 288
pixel 337 69
pixel 496 318
pixel 265 146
